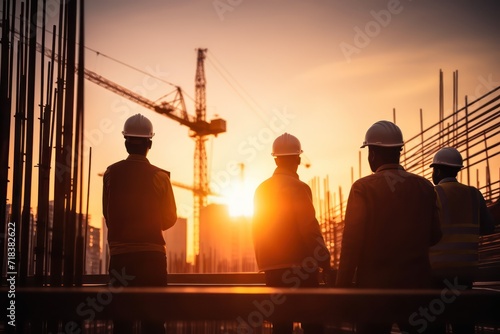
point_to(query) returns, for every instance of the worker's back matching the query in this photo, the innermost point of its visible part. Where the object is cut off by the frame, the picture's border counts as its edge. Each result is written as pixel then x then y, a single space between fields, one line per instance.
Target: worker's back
pixel 464 218
pixel 284 223
pixel 399 224
pixel 135 202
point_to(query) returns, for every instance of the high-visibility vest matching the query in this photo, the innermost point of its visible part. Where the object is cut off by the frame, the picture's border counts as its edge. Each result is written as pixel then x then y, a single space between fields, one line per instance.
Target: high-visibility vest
pixel 459 216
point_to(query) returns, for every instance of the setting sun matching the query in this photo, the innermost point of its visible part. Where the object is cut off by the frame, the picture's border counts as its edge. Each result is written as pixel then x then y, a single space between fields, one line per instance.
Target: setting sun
pixel 240 200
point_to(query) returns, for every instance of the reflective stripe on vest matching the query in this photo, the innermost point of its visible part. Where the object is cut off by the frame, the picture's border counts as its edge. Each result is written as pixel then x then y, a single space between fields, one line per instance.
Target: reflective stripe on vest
pixel 459 206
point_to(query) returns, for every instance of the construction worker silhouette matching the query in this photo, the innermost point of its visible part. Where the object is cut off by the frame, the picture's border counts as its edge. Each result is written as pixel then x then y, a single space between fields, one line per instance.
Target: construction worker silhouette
pixel 464 217
pixel 289 246
pixel 138 204
pixel 391 221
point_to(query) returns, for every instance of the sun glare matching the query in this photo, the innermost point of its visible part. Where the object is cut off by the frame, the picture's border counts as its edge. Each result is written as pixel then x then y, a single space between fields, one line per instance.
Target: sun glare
pixel 240 201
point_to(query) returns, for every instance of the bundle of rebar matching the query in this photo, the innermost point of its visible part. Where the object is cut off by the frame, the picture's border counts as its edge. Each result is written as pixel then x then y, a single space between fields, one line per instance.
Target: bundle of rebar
pixel 49 244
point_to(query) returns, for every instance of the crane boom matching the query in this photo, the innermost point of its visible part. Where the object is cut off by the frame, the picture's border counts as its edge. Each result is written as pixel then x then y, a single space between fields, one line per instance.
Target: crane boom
pixel 174 109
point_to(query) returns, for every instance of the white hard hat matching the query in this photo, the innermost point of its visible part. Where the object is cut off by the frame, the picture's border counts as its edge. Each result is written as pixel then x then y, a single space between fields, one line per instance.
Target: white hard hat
pixel 384 134
pixel 448 156
pixel 286 144
pixel 138 126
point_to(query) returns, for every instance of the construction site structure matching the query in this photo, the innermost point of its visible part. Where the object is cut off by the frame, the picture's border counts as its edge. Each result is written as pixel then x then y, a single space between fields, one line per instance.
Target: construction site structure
pixel 473 129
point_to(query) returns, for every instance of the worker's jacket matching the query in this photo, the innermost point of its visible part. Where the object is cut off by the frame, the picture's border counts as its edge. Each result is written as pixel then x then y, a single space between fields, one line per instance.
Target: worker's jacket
pixel 138 203
pixel 464 217
pixel 286 232
pixel 391 221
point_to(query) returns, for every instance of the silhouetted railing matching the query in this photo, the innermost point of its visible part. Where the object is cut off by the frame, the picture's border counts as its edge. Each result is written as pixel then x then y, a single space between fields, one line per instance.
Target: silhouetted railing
pixel 247 309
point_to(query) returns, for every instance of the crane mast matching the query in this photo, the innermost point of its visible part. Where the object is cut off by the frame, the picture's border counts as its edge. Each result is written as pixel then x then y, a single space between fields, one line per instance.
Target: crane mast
pixel 200 155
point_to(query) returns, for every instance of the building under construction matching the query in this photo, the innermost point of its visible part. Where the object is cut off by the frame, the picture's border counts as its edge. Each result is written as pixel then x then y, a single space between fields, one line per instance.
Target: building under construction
pixel 473 130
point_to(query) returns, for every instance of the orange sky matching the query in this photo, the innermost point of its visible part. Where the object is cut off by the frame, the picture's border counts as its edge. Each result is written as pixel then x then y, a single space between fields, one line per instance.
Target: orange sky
pixel 322 70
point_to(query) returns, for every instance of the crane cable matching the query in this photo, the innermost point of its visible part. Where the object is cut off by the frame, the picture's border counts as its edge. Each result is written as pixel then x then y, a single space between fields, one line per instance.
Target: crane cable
pixel 263 115
pixel 98 53
pixel 259 111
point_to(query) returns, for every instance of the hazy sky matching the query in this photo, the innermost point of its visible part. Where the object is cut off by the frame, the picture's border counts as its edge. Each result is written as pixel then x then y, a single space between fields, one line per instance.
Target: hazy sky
pixel 321 70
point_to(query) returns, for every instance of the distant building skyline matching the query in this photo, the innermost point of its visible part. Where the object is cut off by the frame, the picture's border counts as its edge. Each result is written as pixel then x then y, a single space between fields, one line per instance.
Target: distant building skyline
pixel 225 242
pixel 176 246
pixel 93 251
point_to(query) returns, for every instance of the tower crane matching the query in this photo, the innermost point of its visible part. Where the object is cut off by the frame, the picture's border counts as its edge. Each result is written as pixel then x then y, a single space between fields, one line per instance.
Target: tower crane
pixel 200 129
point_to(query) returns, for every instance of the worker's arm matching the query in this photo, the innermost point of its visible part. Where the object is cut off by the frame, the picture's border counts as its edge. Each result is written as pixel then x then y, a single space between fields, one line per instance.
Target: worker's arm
pixel 436 233
pixel 353 236
pixel 309 226
pixel 169 210
pixel 486 222
pixel 105 195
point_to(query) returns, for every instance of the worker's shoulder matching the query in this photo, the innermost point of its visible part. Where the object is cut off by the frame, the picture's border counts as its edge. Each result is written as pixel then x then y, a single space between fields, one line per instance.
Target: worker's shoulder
pixel 291 180
pixel 457 186
pixel 294 186
pixel 160 171
pixel 395 175
pixel 303 184
pixel 282 181
pixel 114 165
pixel 415 180
pixel 420 178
